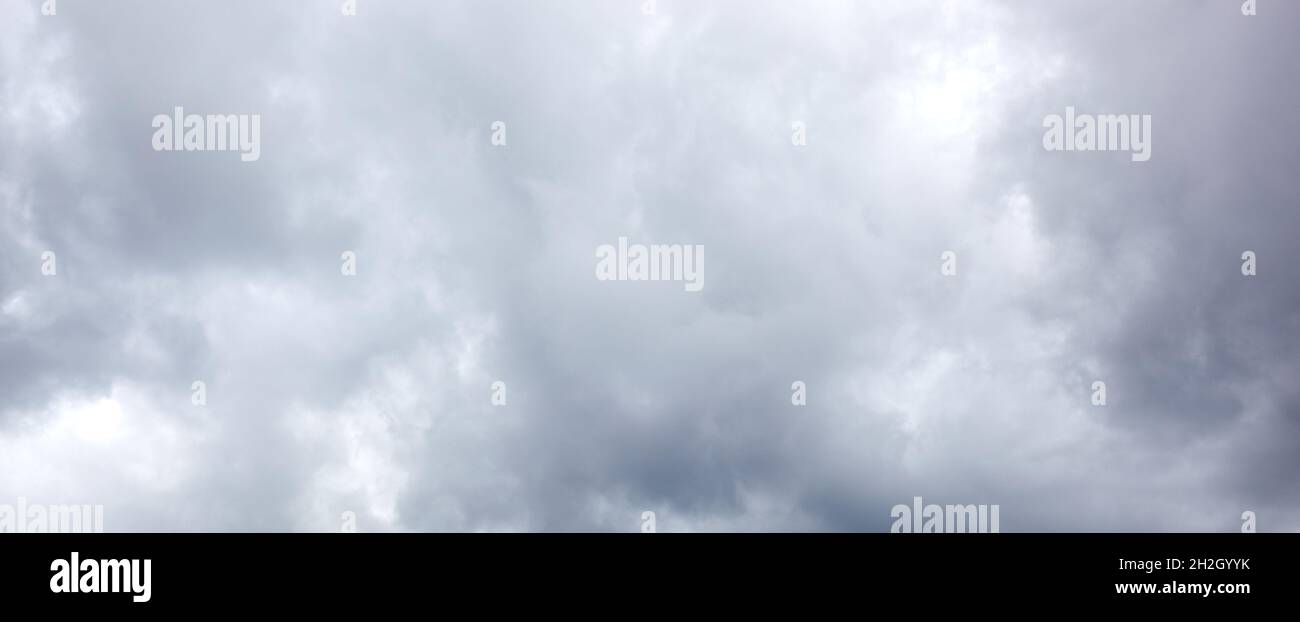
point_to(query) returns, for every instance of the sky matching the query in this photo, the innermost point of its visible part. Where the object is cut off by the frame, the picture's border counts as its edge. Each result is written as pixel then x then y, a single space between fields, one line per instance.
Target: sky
pixel 825 155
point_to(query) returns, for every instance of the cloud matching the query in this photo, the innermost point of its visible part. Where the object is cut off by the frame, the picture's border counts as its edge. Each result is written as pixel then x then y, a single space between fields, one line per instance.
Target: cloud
pixel 370 393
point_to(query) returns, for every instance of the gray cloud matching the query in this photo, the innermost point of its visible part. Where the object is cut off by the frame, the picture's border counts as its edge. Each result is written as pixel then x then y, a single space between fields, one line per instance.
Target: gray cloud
pixel 475 264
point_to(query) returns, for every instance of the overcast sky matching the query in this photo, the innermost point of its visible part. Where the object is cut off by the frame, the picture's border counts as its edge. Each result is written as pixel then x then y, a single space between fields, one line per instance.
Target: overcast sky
pixel 475 263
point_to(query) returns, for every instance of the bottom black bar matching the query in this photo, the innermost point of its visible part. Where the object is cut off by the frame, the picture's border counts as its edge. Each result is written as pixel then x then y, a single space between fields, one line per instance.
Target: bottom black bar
pixel 669 573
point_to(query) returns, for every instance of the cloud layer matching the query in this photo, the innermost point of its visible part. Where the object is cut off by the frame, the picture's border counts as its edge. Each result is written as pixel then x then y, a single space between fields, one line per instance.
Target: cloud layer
pixel 475 264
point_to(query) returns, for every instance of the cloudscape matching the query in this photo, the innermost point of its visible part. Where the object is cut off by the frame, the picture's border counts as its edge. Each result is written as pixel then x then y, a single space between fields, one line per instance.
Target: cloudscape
pixel 587 265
